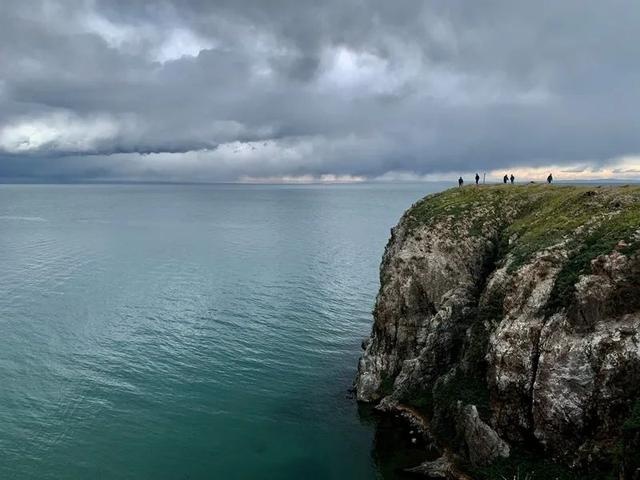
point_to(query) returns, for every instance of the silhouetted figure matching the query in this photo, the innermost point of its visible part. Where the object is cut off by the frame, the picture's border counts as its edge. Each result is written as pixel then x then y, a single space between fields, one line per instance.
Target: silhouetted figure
pixel 550 178
pixel 512 178
pixel 460 182
pixel 505 179
pixel 477 178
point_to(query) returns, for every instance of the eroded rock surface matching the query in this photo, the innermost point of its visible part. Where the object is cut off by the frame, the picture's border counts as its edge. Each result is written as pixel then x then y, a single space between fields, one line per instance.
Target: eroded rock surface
pixel 511 317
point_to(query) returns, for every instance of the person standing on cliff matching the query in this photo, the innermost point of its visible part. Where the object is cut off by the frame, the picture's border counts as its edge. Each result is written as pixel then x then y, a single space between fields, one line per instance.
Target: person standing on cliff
pixel 550 178
pixel 477 178
pixel 512 178
pixel 505 179
pixel 460 182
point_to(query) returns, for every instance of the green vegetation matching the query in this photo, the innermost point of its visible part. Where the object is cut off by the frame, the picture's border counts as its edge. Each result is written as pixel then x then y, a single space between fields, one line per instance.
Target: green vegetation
pixel 552 217
pixel 601 241
pixel 492 310
pixel 458 203
pixel 630 449
pixel 470 389
pixel 539 215
pixel 591 220
pixel 386 385
pixel 633 422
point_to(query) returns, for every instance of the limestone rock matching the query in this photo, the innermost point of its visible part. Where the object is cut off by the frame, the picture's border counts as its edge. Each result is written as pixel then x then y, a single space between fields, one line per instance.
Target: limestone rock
pixel 512 315
pixel 482 442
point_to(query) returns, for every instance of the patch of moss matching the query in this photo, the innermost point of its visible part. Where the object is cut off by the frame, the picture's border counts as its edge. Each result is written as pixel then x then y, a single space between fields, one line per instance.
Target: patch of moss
pixel 476 228
pixel 470 389
pixel 601 241
pixel 493 309
pixel 386 385
pixel 633 422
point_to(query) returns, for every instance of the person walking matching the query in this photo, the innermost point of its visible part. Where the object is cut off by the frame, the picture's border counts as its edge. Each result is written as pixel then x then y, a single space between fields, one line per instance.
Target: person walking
pixel 550 178
pixel 512 178
pixel 477 178
pixel 460 182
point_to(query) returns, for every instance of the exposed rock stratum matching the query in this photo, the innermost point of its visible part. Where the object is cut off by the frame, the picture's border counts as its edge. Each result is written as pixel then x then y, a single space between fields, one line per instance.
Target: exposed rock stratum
pixel 509 318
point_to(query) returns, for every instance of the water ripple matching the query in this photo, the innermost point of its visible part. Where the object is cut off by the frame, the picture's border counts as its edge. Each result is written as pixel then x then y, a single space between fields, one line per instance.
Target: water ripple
pixel 184 331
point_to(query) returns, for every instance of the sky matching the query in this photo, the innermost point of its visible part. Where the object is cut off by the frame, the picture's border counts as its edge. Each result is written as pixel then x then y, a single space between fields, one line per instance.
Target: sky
pixel 330 91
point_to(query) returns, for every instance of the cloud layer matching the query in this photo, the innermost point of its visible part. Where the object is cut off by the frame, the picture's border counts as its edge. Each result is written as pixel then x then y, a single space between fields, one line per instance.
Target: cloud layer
pixel 297 89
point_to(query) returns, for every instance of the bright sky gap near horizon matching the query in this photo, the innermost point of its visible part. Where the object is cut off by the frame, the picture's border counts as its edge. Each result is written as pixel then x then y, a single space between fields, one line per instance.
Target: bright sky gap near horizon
pixel 301 91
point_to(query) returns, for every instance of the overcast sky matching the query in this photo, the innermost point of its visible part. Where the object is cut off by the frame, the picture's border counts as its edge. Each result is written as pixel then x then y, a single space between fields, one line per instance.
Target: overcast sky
pixel 302 90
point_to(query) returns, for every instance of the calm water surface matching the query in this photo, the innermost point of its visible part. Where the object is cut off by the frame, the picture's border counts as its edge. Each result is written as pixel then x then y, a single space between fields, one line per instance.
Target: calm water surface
pixel 188 332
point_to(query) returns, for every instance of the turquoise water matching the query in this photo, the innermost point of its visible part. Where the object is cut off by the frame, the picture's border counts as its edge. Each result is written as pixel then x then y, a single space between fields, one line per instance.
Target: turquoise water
pixel 188 332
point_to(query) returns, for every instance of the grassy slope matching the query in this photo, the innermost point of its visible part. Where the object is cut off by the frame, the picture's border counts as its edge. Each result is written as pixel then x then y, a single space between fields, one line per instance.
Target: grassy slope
pixel 539 216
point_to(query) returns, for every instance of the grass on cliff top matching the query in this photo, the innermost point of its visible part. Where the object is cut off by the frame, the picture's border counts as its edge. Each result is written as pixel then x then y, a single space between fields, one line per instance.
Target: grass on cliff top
pixel 552 217
pixel 538 216
pixel 601 241
pixel 458 202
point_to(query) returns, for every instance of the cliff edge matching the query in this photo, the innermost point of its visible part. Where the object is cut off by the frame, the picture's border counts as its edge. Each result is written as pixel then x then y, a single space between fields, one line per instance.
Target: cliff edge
pixel 508 321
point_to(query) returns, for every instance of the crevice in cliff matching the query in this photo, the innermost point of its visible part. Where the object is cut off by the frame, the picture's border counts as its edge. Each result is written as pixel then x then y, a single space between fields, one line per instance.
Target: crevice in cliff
pixel 488 311
pixel 466 378
pixel 535 363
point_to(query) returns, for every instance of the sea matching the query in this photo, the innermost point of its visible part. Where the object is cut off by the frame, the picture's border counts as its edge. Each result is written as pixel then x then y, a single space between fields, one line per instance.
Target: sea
pixel 192 331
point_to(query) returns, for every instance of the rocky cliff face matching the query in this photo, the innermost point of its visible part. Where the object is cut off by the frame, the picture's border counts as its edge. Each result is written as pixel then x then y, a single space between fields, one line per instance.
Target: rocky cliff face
pixel 508 318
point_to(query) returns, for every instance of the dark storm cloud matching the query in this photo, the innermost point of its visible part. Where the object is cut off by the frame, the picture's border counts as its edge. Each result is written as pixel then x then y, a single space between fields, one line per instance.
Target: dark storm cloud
pixel 221 90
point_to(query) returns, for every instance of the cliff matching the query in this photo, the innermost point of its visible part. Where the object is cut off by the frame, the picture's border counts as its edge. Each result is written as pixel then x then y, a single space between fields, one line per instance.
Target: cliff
pixel 508 325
